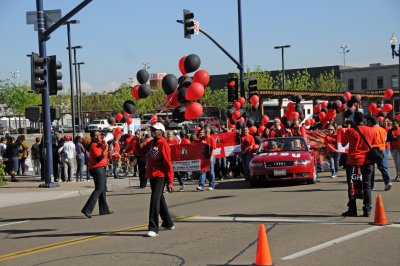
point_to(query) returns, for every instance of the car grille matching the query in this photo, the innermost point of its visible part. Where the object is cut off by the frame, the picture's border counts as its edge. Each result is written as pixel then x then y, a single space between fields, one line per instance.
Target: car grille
pixel 279 164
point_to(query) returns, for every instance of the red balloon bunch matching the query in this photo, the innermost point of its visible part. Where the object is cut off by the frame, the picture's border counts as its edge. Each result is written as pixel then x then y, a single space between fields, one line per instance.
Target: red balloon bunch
pixel 388 93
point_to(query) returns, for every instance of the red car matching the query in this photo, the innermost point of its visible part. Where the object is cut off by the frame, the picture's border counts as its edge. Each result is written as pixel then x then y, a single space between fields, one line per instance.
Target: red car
pixel 283 159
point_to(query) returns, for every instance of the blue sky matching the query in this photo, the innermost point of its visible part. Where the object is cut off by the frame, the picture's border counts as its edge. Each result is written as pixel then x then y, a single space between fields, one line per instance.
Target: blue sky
pixel 119 36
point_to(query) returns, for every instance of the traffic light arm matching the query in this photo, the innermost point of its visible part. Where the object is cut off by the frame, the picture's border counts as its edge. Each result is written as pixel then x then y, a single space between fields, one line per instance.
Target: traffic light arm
pixel 238 65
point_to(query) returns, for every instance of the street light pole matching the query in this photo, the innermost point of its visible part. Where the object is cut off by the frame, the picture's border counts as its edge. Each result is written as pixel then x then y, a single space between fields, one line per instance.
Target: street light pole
pixel 80 114
pixel 283 63
pixel 344 51
pixel 393 42
pixel 76 84
pixel 71 80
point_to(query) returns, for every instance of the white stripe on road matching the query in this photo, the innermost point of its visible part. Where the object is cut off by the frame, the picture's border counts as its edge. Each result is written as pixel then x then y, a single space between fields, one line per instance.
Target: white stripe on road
pixel 332 242
pixel 254 219
pixel 20 222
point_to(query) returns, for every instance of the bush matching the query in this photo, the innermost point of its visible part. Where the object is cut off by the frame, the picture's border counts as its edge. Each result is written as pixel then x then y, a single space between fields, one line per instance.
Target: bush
pixel 2 174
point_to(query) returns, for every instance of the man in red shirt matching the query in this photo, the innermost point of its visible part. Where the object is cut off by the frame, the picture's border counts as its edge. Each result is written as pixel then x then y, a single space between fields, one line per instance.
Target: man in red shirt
pixel 159 171
pixel 356 158
pixel 248 144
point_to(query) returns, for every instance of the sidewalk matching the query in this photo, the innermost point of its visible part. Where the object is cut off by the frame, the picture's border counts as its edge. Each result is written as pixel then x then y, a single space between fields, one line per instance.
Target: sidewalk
pixel 27 190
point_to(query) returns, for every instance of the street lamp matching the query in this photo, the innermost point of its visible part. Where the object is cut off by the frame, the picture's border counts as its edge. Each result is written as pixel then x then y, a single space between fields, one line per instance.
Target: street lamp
pixel 283 63
pixel 344 51
pixel 71 81
pixel 76 82
pixel 393 42
pixel 79 95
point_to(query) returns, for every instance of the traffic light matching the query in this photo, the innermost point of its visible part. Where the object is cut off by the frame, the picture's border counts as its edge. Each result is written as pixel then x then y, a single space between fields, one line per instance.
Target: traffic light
pixel 38 73
pixel 55 113
pixel 233 92
pixel 54 76
pixel 252 86
pixel 188 24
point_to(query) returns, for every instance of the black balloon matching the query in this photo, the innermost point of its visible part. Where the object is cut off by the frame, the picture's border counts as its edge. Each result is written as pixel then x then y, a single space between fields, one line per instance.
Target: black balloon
pixel 232 121
pixel 325 110
pixel 329 106
pixel 178 115
pixel 284 119
pixel 249 122
pixel 343 99
pixel 124 119
pixel 336 105
pixel 242 113
pixel 350 103
pixel 229 113
pixel 169 83
pixel 181 95
pixel 381 114
pixel 192 63
pixel 240 125
pixel 142 76
pixel 255 107
pixel 129 106
pixel 184 81
pixel 297 98
pixel 299 108
pixel 144 91
pixel 355 98
pixel 111 120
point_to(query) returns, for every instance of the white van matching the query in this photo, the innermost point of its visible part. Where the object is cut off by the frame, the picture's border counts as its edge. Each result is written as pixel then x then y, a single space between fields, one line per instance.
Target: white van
pixel 99 124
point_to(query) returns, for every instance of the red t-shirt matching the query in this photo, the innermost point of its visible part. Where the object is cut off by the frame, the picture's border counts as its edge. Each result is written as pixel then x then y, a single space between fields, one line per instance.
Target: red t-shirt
pixel 185 141
pixel 173 142
pixel 357 146
pixel 95 152
pixel 332 140
pixel 299 131
pixel 247 143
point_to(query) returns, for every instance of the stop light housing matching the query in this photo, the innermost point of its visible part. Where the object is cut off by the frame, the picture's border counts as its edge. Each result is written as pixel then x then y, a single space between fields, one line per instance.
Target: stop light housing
pixel 188 24
pixel 252 86
pixel 38 73
pixel 55 113
pixel 233 92
pixel 54 75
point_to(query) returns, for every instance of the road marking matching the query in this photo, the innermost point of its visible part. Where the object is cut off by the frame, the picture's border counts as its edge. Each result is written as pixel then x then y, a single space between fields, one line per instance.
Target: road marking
pixel 74 241
pixel 20 222
pixel 332 242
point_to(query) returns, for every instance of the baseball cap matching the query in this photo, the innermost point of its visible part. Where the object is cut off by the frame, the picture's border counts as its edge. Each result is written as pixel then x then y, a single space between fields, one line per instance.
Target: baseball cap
pixel 159 126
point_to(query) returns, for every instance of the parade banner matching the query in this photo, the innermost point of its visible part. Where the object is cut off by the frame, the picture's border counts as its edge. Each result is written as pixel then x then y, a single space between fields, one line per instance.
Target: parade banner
pixel 341 148
pixel 190 157
pixel 316 140
pixel 228 144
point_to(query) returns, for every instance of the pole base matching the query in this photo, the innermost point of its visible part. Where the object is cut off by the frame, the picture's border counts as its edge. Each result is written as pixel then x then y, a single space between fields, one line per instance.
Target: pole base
pixel 49 185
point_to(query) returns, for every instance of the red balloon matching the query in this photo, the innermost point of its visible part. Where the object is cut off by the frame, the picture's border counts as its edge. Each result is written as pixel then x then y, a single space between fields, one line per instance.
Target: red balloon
pixel 202 77
pixel 172 100
pixel 154 118
pixel 295 114
pixel 307 122
pixel 290 105
pixel 398 117
pixel 312 121
pixel 129 121
pixel 241 100
pixel 253 130
pixel 380 118
pixel 118 117
pixel 321 115
pixel 237 105
pixel 182 65
pixel 126 114
pixel 194 92
pixel 265 120
pixel 388 93
pixel 341 108
pixel 317 108
pixel 260 130
pixel 193 111
pixel 387 107
pixel 117 132
pixel 241 119
pixel 135 92
pixel 372 107
pixel 254 100
pixel 331 114
pixel 347 95
pixel 377 111
pixel 236 115
pixel 324 104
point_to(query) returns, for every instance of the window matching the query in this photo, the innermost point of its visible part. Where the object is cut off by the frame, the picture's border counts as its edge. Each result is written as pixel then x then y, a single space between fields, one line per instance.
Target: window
pixel 350 84
pixel 364 84
pixel 379 83
pixel 395 82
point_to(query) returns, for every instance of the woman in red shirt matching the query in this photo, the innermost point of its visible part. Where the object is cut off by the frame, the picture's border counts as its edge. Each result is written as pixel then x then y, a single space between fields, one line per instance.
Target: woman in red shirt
pixel 98 161
pixel 331 149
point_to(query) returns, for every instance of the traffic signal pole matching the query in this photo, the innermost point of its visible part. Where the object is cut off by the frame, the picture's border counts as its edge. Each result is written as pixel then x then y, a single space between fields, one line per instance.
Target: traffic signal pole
pixel 242 93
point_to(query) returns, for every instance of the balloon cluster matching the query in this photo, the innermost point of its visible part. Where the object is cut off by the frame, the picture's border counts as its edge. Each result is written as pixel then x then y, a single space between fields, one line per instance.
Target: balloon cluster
pixel 379 110
pixel 129 109
pixel 183 92
pixel 143 90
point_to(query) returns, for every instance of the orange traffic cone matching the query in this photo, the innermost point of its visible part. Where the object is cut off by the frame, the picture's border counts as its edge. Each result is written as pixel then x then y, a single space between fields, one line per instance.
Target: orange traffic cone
pixel 380 215
pixel 263 257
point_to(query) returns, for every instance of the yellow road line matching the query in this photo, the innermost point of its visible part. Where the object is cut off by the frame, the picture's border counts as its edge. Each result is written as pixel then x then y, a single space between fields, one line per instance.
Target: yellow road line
pixel 74 241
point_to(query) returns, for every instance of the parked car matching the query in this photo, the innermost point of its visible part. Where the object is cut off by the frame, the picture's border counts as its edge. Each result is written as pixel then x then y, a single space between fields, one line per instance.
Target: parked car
pixel 99 124
pixel 63 129
pixel 283 159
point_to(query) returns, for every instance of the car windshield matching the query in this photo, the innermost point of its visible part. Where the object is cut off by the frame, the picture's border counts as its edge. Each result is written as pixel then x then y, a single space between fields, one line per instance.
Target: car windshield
pixel 282 144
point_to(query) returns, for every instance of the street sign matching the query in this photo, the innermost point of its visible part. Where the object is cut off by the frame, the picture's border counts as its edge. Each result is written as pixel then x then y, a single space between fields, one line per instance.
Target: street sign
pixel 50 17
pixel 196 27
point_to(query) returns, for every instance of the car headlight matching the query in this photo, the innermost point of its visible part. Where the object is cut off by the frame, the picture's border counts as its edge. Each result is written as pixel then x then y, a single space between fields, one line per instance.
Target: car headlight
pixel 257 164
pixel 303 162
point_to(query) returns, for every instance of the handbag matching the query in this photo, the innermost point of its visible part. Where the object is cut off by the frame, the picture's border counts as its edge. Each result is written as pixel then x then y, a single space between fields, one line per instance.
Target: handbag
pixel 374 154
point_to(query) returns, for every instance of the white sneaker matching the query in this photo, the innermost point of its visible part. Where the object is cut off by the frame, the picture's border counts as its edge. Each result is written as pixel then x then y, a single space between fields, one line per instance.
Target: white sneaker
pixel 182 188
pixel 388 186
pixel 333 176
pixel 200 188
pixel 210 188
pixel 168 228
pixel 151 234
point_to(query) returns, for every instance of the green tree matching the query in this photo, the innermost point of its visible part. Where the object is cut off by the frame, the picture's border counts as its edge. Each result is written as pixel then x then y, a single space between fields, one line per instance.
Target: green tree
pixel 17 97
pixel 215 98
pixel 328 82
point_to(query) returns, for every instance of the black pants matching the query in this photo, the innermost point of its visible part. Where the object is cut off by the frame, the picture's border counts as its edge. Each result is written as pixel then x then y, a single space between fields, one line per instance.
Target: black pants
pixel 141 164
pixel 366 171
pixel 158 206
pixel 99 193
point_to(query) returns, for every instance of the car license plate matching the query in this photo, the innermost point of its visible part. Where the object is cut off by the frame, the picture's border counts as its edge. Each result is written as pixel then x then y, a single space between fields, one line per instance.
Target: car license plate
pixel 280 172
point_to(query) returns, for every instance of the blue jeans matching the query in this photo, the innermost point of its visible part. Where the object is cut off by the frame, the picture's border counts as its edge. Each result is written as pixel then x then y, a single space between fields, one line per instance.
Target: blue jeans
pixel 396 159
pixel 246 163
pixel 382 166
pixel 80 162
pixel 333 162
pixel 202 180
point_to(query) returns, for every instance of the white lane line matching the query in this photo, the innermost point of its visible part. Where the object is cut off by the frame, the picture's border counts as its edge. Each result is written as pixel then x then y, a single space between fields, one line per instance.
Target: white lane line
pixel 332 242
pixel 253 219
pixel 20 222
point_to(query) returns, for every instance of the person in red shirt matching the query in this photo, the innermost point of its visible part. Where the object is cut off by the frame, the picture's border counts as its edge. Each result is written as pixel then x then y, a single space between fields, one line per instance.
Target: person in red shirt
pixel 184 137
pixel 173 141
pixel 248 144
pixel 393 137
pixel 98 161
pixel 298 129
pixel 277 130
pixel 206 138
pixel 356 158
pixel 331 149
pixel 159 171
